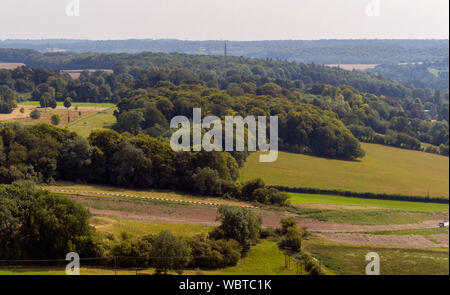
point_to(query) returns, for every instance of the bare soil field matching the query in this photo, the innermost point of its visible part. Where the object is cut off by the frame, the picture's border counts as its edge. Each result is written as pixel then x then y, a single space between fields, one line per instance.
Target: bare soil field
pixel 10 65
pixel 167 212
pixel 24 118
pixel 406 241
pixel 350 67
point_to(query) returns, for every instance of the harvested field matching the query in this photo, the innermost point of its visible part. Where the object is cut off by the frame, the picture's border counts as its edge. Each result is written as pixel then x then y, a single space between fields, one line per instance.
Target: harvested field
pixel 10 65
pixel 151 211
pixel 46 114
pixel 350 67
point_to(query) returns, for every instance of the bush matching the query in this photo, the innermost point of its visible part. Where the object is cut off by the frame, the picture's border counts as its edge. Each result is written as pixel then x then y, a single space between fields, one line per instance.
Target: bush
pixel 267 233
pixel 287 223
pixel 35 114
pixel 213 253
pixel 250 187
pixel 311 265
pixel 55 119
pixel 133 253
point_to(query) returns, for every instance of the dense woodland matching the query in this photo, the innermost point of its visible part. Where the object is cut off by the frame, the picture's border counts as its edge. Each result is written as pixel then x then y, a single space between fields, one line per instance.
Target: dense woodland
pixel 315 117
pixel 217 71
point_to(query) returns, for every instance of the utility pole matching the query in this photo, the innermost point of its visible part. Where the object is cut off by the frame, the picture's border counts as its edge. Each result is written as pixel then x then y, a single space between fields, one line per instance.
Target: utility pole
pixel 225 63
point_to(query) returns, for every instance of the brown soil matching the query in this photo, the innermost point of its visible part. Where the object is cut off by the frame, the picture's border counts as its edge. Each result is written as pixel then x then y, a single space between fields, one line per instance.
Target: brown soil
pixel 163 212
pixel 407 241
pixel 441 239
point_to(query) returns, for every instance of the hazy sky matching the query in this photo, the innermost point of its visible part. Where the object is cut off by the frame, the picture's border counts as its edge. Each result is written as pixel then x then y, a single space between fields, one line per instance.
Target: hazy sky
pixel 225 19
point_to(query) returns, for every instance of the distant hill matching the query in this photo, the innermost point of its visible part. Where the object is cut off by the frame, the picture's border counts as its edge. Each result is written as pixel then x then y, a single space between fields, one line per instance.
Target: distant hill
pixel 306 51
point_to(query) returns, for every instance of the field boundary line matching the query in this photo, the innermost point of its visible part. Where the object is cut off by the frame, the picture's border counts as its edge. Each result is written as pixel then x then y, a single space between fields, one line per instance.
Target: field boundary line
pixel 150 198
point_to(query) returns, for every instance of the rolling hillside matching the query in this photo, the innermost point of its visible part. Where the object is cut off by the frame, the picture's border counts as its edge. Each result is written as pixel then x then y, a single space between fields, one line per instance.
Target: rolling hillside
pixel 383 170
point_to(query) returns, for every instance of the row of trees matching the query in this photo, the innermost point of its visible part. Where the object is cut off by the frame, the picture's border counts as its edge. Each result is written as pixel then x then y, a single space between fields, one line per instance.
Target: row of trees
pixel 44 153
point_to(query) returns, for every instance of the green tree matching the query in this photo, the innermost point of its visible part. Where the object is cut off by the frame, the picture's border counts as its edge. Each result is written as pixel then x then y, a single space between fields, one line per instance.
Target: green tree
pixel 240 224
pixel 67 105
pixel 36 224
pixel 130 166
pixel 75 159
pixel 130 121
pixel 55 119
pixel 169 253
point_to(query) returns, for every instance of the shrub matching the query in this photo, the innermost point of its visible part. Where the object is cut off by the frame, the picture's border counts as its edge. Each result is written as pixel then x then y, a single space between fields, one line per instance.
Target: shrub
pixel 309 262
pixel 267 233
pixel 287 223
pixel 35 114
pixel 55 119
pixel 250 187
pixel 133 253
pixel 213 253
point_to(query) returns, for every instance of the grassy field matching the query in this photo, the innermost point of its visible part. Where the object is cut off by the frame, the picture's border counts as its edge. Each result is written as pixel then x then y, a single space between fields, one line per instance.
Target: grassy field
pixel 99 120
pixel 383 170
pixel 350 259
pixel 263 259
pixel 387 204
pixel 145 193
pixel 135 228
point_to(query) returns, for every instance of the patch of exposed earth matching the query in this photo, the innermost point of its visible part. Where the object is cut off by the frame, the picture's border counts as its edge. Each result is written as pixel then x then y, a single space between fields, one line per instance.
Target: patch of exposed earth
pixel 189 214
